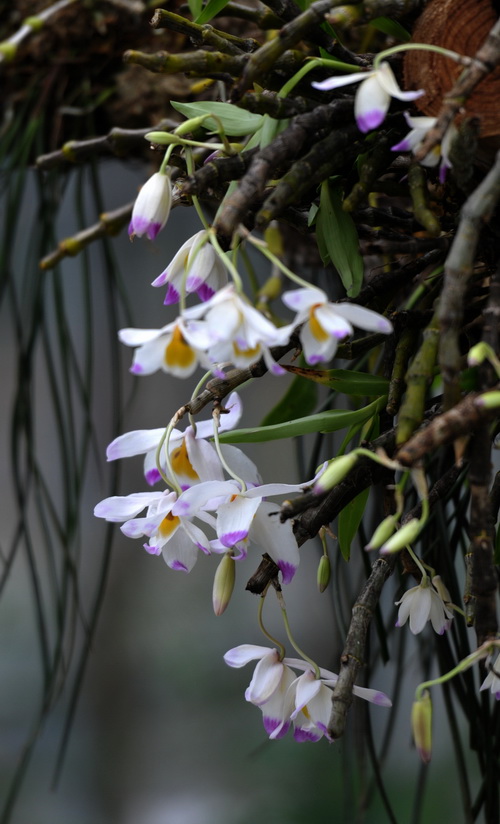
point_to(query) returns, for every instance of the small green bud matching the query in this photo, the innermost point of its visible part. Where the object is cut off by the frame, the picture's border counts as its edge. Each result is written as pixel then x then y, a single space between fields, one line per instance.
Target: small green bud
pixel 223 584
pixel 324 573
pixel 8 51
pixel 421 724
pixel 478 354
pixel 383 532
pixel 335 472
pixel 191 125
pixel 490 400
pixel 163 138
pixel 404 536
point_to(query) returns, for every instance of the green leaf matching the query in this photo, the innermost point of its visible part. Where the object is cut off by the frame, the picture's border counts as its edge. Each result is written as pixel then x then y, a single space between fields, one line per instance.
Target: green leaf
pixel 347 381
pixel 212 9
pixel 330 421
pixel 349 520
pixel 300 399
pixel 195 7
pixel 392 28
pixel 337 236
pixel 235 121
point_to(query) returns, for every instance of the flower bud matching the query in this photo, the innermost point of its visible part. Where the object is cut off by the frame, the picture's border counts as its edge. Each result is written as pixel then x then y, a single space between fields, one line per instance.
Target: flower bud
pixel 421 724
pixel 478 354
pixel 324 573
pixel 223 584
pixel 335 472
pixel 163 138
pixel 441 589
pixel 383 532
pixel 404 536
pixel 151 207
pixel 490 400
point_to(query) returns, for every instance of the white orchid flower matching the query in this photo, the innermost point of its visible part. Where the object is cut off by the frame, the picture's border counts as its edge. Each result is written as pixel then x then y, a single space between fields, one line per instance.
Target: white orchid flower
pixel 373 97
pixel 237 332
pixel 419 126
pixel 176 538
pixel 421 604
pixel 176 348
pixel 283 698
pixel 196 267
pixel 244 516
pixel 492 680
pixel 152 207
pixel 193 459
pixel 325 323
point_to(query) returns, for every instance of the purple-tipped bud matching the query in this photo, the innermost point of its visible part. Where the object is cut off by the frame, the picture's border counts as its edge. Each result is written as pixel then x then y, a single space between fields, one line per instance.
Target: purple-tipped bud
pixel 404 536
pixel 151 207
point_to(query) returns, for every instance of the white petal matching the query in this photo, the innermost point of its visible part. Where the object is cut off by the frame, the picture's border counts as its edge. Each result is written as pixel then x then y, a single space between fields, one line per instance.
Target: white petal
pixel 137 442
pixel 337 82
pixel 385 77
pixel 198 496
pixel 275 538
pixel 120 508
pixel 234 519
pixel 266 679
pixel 300 299
pixel 180 552
pixel 317 351
pixel 138 337
pixel 420 610
pixel 332 321
pixel 239 656
pixel 371 104
pixel 306 688
pixel 364 318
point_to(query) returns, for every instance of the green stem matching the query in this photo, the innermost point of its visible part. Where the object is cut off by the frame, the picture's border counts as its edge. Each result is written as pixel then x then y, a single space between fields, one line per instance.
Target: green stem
pixel 294 644
pixel 165 440
pixel 262 247
pixel 227 262
pixel 281 648
pixel 458 58
pixel 165 160
pixel 221 457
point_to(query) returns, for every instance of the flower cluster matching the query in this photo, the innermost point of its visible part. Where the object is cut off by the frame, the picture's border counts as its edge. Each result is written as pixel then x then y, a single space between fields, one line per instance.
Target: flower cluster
pixel 286 699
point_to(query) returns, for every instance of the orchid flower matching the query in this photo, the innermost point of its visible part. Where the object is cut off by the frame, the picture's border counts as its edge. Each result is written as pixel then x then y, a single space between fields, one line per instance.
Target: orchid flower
pixel 237 332
pixel 492 680
pixel 196 267
pixel 152 207
pixel 176 538
pixel 373 97
pixel 419 126
pixel 193 459
pixel 243 515
pixel 283 698
pixel 421 604
pixel 325 323
pixel 174 348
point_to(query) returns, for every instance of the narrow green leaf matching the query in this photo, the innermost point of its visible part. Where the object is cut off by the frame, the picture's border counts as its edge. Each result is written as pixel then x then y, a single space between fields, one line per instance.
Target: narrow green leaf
pixel 300 399
pixel 235 121
pixel 348 522
pixel 391 27
pixel 330 421
pixel 195 7
pixel 212 9
pixel 347 381
pixel 337 234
